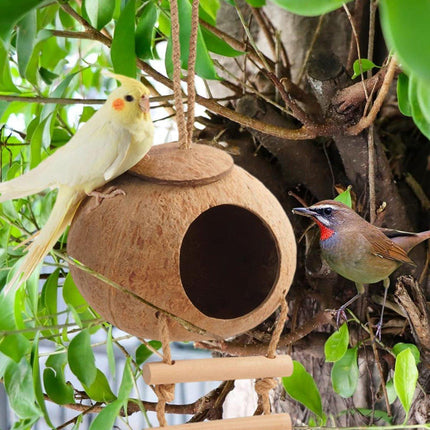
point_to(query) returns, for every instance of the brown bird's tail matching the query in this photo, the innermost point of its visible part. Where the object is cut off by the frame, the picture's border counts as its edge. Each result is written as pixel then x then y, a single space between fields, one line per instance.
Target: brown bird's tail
pixel 407 241
pixel 62 213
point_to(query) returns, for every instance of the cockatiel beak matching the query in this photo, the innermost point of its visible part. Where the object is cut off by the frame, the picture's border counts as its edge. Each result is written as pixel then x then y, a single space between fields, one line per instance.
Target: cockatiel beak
pixel 144 106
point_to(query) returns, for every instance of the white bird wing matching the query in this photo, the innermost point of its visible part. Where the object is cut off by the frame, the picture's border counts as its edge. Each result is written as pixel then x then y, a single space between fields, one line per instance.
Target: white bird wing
pixel 98 147
pixel 90 158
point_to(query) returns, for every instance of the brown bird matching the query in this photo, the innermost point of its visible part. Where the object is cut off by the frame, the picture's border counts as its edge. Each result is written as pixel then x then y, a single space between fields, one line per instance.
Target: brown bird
pixel 357 250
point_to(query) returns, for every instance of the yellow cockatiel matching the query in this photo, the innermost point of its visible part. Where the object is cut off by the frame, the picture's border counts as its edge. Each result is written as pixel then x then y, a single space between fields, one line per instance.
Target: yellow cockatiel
pixel 117 136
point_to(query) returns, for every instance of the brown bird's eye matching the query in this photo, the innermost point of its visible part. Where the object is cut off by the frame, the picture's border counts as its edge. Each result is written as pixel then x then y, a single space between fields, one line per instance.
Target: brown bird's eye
pixel 129 98
pixel 327 211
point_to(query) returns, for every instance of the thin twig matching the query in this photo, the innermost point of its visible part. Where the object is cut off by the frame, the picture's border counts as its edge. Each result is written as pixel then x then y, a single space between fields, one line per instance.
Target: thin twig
pixel 365 121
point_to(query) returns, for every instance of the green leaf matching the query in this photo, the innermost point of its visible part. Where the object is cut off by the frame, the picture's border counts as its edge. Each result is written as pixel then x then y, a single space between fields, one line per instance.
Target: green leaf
pixel 405 27
pixel 344 375
pixel 123 45
pixel 256 3
pixel 72 296
pixel 417 113
pixel 301 387
pixel 25 39
pixel 204 64
pixel 345 197
pixel 208 10
pixel 81 358
pixel 217 45
pixel 399 347
pixel 15 346
pixel 403 94
pixel 106 418
pixel 337 344
pixel 99 12
pixel 375 413
pixel 405 378
pixel 36 143
pixel 49 296
pixel 47 76
pixel 11 11
pixel 36 380
pixel 423 96
pixel 6 83
pixel 391 391
pixel 110 353
pixel 362 66
pixel 310 7
pixel 145 31
pixel 54 381
pixel 143 353
pixel 18 382
pixel 100 390
pixel 7 314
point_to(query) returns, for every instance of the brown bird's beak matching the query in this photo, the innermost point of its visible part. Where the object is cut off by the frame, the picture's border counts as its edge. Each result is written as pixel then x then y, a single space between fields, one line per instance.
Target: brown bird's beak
pixel 144 104
pixel 303 212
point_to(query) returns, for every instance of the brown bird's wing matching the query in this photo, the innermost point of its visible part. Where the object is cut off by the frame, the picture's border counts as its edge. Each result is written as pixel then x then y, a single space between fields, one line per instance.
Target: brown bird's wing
pixel 384 247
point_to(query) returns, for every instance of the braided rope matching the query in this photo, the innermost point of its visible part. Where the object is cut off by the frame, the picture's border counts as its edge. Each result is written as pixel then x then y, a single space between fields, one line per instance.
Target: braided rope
pixel 176 59
pixel 192 71
pixel 264 385
pixel 164 392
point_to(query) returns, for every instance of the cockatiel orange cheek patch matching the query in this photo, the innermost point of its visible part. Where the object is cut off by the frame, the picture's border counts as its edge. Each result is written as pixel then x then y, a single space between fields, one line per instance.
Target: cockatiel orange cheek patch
pixel 118 104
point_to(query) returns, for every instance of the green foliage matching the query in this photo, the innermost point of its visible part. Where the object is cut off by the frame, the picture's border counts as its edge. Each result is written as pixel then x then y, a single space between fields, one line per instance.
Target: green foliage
pixel 81 358
pixel 54 380
pixel 301 387
pixel 11 11
pixel 310 7
pixel 362 66
pixel 399 347
pixel 106 418
pixel 405 378
pixel 123 42
pixel 344 374
pixel 98 12
pixel 143 352
pixel 405 27
pixel 345 197
pixel 337 344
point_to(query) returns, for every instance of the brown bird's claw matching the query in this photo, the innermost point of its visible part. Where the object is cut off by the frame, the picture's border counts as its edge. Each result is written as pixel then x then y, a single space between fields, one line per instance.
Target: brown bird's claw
pixel 340 315
pixel 107 194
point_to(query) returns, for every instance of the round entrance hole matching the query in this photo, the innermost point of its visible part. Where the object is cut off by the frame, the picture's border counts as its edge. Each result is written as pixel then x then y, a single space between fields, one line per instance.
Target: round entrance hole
pixel 229 262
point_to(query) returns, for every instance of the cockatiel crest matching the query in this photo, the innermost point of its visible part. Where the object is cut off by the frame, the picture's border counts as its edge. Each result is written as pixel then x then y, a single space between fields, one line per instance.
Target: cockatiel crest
pixel 116 137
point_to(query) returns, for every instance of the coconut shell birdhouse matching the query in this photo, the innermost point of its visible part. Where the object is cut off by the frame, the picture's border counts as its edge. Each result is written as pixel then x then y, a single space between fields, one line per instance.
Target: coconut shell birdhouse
pixel 194 236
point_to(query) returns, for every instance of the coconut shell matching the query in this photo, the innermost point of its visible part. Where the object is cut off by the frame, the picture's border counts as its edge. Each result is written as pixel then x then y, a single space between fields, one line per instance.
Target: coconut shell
pixel 194 235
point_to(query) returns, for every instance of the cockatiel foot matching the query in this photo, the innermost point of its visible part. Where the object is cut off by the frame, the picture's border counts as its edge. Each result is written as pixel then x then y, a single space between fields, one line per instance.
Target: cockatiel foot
pixel 110 193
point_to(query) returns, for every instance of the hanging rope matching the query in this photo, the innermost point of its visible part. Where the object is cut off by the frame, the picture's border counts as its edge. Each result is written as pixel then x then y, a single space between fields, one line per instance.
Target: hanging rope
pixel 164 392
pixel 264 385
pixel 185 127
pixel 192 71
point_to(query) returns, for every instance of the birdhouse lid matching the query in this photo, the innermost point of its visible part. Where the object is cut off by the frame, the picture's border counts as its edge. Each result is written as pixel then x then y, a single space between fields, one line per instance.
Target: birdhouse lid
pixel 169 164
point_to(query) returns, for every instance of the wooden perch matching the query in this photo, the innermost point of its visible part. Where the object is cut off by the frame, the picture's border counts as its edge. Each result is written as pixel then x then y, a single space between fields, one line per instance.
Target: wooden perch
pixel 260 422
pixel 217 369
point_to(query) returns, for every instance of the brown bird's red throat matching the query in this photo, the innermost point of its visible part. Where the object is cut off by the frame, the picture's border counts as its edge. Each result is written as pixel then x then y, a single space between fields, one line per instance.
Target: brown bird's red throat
pixel 326 233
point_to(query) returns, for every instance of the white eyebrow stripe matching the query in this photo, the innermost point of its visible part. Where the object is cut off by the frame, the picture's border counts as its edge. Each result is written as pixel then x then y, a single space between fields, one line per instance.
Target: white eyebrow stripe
pixel 322 207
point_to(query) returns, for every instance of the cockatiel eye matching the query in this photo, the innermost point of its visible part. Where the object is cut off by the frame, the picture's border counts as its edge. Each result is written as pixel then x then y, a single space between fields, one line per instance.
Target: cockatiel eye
pixel 129 98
